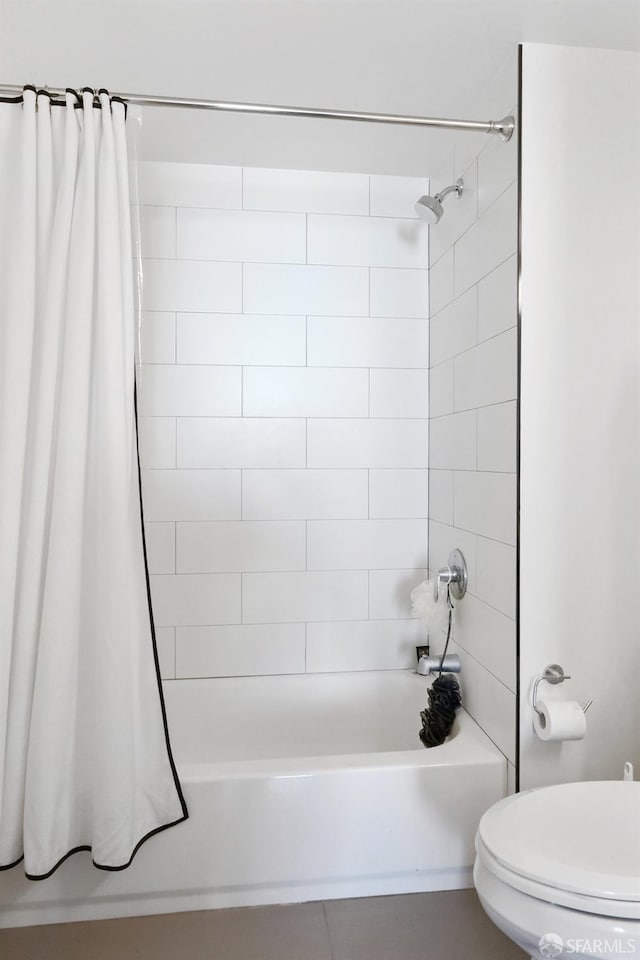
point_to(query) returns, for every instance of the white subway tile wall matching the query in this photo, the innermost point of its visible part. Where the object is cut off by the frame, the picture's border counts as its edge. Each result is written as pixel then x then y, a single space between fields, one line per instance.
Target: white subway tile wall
pixel 283 399
pixel 398 493
pixel 473 442
pixel 396 196
pixel 241 235
pixel 158 340
pixel 343 646
pixel 390 593
pixel 398 293
pixel 166 644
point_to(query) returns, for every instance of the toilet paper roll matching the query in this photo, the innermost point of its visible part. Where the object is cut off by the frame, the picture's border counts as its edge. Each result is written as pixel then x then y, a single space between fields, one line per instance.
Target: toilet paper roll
pixel 559 720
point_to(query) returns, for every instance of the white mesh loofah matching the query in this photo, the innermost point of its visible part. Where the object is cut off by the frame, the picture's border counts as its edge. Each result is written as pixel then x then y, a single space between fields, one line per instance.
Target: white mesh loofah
pixel 433 614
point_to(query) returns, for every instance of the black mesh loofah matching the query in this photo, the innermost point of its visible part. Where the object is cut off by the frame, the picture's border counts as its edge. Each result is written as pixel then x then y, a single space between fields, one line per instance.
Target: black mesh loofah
pixel 437 719
pixel 444 699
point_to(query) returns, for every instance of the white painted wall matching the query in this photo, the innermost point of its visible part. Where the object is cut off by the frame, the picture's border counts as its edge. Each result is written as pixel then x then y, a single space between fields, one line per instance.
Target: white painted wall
pixel 283 402
pixel 400 56
pixel 580 520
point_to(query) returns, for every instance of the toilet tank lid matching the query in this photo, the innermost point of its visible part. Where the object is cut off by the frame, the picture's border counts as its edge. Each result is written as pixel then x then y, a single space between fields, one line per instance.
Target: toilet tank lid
pixel 580 837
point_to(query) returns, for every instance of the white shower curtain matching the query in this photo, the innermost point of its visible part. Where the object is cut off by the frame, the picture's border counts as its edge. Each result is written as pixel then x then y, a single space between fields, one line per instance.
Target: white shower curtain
pixel 85 761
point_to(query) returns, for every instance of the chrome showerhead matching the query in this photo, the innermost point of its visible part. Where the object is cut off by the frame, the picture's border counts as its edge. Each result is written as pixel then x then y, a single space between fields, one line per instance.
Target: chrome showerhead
pixel 430 209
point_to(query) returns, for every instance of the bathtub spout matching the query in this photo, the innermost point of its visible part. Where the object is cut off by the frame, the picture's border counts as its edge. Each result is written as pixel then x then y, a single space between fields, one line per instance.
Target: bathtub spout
pixel 430 664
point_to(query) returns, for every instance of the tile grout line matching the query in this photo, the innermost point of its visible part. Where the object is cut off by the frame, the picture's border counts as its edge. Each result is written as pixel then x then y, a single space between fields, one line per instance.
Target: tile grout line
pixel 473 533
pixel 175 443
pixel 439 416
pixel 278 212
pixel 365 466
pixel 329 418
pixel 328 929
pixel 314 366
pixel 477 220
pixel 484 667
pixel 329 265
pixel 175 336
pixel 480 280
pixel 236 314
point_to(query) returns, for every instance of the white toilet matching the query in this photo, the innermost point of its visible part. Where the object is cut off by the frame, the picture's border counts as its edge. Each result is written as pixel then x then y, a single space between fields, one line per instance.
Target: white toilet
pixel 558 869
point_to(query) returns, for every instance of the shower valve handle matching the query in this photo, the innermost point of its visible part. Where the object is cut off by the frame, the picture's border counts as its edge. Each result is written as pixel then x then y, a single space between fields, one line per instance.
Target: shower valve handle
pixel 444 575
pixel 454 574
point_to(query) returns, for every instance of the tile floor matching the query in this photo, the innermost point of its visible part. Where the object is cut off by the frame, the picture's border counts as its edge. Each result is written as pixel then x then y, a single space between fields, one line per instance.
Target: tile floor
pixel 412 927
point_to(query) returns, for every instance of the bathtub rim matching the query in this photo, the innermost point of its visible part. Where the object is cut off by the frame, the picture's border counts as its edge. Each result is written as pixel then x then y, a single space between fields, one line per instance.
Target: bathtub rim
pixel 469 745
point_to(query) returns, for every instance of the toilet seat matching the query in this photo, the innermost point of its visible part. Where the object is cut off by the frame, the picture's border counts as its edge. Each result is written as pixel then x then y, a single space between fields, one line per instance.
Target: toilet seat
pixel 604 907
pixel 576 845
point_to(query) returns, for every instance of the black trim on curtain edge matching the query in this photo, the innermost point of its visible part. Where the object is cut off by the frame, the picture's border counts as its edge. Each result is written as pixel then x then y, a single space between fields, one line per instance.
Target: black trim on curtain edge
pixel 78 105
pixel 87 847
pixel 177 784
pixel 156 658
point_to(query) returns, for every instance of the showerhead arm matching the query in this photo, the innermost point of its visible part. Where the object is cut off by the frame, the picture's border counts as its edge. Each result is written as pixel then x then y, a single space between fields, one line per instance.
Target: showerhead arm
pixel 456 187
pixel 430 209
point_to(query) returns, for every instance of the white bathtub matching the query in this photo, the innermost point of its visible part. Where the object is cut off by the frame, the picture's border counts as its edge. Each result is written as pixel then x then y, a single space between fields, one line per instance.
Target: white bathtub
pixel 299 788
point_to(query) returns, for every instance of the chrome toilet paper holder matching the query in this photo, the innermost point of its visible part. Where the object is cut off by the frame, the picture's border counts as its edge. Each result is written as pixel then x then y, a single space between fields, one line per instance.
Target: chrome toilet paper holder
pixel 554 674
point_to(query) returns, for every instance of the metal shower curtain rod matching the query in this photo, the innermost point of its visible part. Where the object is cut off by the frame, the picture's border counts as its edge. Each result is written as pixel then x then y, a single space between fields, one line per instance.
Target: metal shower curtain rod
pixel 502 128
